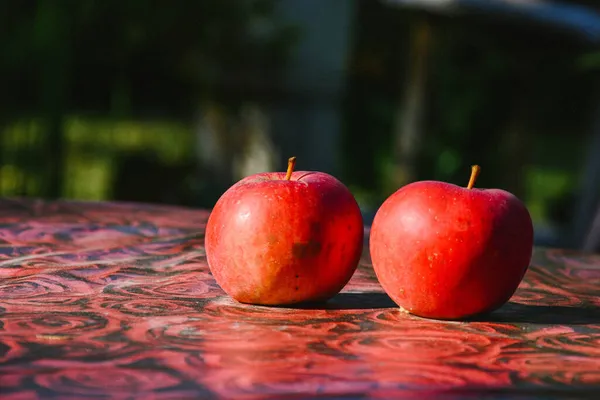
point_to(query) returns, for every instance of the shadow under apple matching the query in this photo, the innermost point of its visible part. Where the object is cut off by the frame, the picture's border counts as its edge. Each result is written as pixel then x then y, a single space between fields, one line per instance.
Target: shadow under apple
pixel 350 301
pixel 513 312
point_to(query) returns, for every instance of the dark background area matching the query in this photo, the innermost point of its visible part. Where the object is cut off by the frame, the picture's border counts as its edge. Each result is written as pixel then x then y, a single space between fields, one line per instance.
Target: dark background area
pixel 172 102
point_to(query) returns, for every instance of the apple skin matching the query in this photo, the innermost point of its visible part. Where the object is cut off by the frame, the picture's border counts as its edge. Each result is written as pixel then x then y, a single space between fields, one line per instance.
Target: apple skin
pixel 446 252
pixel 272 241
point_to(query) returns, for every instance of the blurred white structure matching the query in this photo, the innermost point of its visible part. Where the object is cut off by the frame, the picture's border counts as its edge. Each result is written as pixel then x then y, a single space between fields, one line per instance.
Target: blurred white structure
pixel 307 122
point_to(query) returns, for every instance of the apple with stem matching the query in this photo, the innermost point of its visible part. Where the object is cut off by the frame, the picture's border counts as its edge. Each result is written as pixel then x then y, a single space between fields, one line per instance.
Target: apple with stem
pixel 284 238
pixel 448 252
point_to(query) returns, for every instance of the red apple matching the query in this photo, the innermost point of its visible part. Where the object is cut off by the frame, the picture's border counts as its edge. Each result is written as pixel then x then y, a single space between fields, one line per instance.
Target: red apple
pixel 280 239
pixel 447 252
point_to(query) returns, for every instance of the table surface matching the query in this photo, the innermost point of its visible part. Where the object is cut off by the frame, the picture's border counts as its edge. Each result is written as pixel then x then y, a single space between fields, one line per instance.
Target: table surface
pixel 106 300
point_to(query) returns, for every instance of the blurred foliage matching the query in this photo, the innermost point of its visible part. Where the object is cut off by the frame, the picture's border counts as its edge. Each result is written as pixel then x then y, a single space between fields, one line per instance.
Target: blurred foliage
pixel 104 158
pixel 119 66
pixel 490 84
pixel 129 56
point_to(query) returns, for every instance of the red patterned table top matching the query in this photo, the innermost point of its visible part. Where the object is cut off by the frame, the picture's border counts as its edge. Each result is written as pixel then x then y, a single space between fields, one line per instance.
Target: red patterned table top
pixel 103 300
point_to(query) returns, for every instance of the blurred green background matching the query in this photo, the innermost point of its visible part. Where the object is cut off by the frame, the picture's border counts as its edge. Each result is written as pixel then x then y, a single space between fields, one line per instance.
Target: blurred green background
pixel 172 102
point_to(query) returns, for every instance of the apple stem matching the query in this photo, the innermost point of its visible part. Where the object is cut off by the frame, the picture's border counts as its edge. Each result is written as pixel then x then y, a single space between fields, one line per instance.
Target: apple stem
pixel 475 170
pixel 290 169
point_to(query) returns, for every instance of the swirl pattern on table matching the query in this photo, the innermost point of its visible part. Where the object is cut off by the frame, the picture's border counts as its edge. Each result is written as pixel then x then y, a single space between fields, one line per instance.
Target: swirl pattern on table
pixel 116 300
